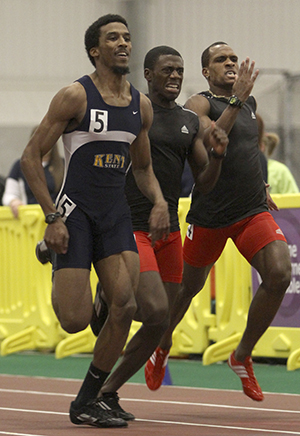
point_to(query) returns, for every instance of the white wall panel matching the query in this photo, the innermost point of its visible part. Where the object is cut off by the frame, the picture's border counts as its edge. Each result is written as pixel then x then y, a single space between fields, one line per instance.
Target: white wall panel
pixel 265 30
pixel 45 38
pixel 42 40
pixel 42 46
pixel 41 50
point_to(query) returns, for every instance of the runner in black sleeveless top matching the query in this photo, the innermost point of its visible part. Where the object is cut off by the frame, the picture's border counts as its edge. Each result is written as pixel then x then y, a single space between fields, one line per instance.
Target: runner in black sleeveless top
pixel 236 208
pixel 175 135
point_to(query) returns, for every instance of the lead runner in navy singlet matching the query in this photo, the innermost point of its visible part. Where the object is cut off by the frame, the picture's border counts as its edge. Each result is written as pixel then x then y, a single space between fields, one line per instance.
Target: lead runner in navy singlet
pixel 102 119
pixel 236 208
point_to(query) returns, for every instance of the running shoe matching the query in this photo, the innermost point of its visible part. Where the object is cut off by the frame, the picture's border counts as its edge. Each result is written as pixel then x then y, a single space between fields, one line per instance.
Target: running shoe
pixel 94 414
pixel 245 371
pixel 100 312
pixel 155 368
pixel 42 252
pixel 110 402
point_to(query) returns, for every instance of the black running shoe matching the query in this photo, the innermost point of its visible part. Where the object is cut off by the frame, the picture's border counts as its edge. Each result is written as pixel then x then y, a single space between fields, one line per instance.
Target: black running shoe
pixel 94 414
pixel 110 402
pixel 42 252
pixel 100 312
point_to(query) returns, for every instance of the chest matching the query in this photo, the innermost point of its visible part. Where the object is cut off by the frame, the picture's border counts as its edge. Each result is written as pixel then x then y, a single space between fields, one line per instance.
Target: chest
pixel 171 131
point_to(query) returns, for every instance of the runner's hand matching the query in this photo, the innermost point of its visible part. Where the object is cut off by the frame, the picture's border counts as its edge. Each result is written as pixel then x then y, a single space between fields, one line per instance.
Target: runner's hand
pixel 57 236
pixel 159 222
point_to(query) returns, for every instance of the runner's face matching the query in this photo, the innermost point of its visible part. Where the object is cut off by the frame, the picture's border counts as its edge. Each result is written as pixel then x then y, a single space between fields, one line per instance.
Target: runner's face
pixel 223 67
pixel 114 45
pixel 167 77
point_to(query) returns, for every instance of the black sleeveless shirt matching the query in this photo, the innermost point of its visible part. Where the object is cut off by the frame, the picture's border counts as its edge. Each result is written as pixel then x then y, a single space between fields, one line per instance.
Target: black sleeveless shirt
pixel 171 137
pixel 240 190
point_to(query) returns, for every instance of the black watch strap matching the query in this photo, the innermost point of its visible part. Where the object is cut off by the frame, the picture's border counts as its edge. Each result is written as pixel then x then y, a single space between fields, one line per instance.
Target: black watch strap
pixel 214 154
pixel 235 101
pixel 52 217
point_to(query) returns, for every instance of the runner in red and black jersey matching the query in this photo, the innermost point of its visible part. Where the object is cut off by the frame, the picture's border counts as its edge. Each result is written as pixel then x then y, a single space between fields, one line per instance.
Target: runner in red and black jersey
pixel 236 208
pixel 175 136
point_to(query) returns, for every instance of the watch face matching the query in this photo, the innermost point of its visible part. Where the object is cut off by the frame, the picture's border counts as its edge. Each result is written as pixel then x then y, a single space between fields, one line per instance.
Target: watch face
pixel 51 218
pixel 234 101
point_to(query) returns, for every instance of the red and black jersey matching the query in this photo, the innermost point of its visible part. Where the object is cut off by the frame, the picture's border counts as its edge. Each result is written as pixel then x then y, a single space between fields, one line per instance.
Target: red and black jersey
pixel 240 190
pixel 171 136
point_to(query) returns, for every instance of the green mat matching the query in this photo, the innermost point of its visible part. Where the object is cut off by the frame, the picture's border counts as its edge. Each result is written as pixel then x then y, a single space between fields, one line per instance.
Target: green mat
pixel 191 373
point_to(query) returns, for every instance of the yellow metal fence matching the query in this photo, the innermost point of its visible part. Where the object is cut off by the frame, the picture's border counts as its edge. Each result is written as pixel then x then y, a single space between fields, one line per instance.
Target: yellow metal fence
pixel 27 320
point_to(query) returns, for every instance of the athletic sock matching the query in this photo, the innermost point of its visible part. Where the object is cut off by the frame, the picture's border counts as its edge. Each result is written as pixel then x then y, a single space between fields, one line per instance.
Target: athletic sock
pixel 91 385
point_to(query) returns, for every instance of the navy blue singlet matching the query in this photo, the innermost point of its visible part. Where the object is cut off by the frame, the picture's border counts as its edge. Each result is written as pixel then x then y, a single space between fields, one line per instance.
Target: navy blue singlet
pixel 96 158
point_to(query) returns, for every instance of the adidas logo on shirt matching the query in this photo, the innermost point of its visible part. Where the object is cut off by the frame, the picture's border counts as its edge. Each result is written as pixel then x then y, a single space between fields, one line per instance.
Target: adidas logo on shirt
pixel 184 129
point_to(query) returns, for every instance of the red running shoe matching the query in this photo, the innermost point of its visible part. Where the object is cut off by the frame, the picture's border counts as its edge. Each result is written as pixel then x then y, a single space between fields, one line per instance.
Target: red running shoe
pixel 155 368
pixel 245 371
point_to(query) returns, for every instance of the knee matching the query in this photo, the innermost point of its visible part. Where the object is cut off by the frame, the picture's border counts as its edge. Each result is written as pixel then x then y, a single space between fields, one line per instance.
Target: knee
pixel 191 286
pixel 153 311
pixel 283 278
pixel 72 324
pixel 279 278
pixel 74 321
pixel 188 291
pixel 158 317
pixel 123 310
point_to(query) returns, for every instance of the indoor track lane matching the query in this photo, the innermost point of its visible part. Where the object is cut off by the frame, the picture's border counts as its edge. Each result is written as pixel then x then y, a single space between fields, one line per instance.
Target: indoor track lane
pixel 33 406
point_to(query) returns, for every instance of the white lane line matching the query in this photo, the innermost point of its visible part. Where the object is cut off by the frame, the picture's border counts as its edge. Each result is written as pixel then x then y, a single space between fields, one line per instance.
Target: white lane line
pixel 72 380
pixel 221 406
pixel 26 392
pixel 229 427
pixel 186 424
pixel 19 434
pixel 46 412
pixel 139 400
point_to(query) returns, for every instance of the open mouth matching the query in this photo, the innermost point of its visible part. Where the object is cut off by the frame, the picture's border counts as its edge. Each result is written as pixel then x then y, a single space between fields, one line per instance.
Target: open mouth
pixel 172 87
pixel 122 54
pixel 230 74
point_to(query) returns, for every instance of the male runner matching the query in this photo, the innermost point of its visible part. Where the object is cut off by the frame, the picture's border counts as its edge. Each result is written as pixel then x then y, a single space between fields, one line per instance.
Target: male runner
pixel 102 118
pixel 174 136
pixel 236 208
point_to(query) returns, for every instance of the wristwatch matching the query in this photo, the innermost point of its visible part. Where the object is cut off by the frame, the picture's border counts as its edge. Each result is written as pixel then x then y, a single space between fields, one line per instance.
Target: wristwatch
pixel 235 101
pixel 216 155
pixel 52 217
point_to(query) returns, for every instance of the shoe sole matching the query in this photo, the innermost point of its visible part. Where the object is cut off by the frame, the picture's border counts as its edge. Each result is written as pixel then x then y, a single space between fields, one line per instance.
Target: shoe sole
pixel 103 424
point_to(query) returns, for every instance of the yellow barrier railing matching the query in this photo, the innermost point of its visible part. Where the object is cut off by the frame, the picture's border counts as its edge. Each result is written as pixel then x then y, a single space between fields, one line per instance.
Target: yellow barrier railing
pixel 27 320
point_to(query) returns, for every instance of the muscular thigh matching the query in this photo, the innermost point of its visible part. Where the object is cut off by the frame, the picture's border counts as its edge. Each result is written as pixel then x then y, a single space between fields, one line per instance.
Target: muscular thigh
pixel 80 248
pixel 255 233
pixel 169 258
pixel 146 252
pixel 119 276
pixel 273 262
pixel 203 246
pixel 165 257
pixel 71 291
pixel 114 240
